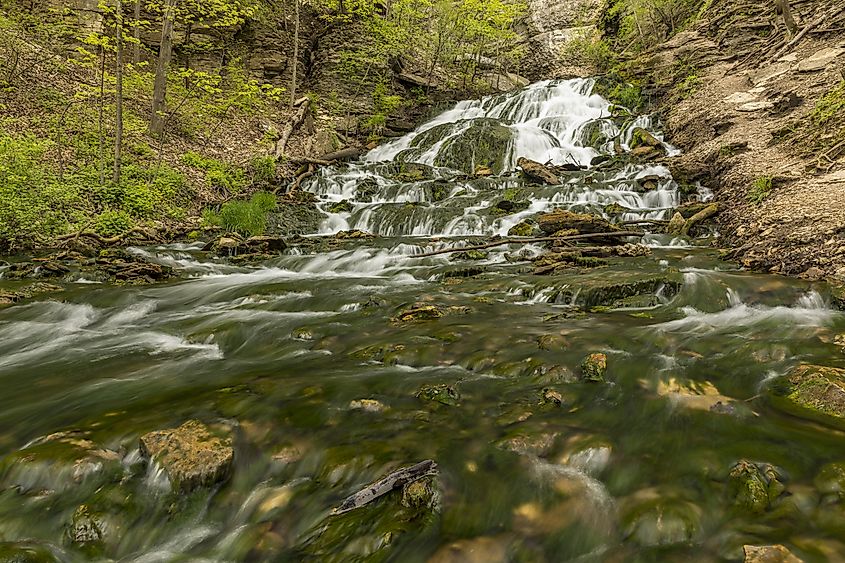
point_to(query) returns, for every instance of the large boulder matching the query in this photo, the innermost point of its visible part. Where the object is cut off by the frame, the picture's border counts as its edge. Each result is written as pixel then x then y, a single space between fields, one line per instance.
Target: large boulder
pixel 537 172
pixel 481 144
pixel 191 455
pixel 813 392
pixel 561 219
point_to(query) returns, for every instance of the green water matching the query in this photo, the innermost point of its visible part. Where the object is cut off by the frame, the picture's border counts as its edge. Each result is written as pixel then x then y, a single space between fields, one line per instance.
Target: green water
pixel 620 471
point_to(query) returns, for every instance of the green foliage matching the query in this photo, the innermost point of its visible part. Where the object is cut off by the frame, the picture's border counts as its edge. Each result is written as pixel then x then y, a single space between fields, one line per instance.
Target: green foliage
pixel 33 203
pixel 113 223
pixel 588 49
pixel 248 218
pixel 760 190
pixel 645 23
pixel 830 107
pixel 628 95
pixel 219 175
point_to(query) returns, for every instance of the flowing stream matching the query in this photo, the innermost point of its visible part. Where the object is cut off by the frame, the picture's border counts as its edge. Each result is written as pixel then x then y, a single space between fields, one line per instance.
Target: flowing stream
pixel 534 464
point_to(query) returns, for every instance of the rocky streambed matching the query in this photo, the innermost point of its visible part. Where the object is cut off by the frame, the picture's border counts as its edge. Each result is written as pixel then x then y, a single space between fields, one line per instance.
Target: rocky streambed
pixel 446 372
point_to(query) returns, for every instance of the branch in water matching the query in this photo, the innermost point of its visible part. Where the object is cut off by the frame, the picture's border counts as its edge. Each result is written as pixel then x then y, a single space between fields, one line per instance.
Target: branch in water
pixel 531 241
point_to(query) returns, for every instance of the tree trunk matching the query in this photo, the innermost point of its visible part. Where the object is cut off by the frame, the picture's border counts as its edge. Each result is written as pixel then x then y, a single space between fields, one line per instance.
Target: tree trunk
pixel 118 129
pixel 160 86
pixel 786 12
pixel 136 49
pixel 101 103
pixel 295 65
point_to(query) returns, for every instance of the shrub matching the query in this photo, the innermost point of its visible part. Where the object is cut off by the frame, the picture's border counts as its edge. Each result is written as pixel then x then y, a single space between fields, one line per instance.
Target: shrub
pixel 219 175
pixel 113 223
pixel 760 190
pixel 248 218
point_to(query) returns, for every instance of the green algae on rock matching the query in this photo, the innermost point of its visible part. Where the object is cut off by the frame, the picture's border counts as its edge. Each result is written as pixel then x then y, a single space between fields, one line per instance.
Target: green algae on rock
pixel 754 487
pixel 594 367
pixel 443 394
pixel 191 455
pixel 813 392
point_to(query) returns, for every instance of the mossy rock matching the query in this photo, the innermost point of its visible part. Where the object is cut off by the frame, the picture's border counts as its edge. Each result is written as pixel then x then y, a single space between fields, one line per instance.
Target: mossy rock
pixel 418 312
pixel 813 392
pixel 192 455
pixel 555 221
pixel 481 145
pixel 831 479
pixel 471 255
pixel 343 206
pixel 594 367
pixel 26 552
pixel 524 229
pixel 754 488
pixel 592 135
pixel 642 138
pixel 366 190
pixel 443 394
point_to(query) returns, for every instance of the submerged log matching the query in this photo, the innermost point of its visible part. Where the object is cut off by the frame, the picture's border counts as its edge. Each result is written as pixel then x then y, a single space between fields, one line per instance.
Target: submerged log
pixel 387 484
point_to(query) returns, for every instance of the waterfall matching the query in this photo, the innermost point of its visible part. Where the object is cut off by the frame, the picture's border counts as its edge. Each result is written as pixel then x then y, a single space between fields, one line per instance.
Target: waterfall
pixel 450 176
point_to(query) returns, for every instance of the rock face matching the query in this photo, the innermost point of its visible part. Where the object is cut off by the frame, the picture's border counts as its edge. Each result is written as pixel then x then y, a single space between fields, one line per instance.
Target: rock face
pixel 812 392
pixel 191 455
pixel 550 26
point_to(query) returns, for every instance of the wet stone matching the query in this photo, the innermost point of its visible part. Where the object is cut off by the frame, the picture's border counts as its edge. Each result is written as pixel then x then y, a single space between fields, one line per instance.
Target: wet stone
pixel 419 494
pixel 594 367
pixel 85 530
pixel 813 392
pixel 367 405
pixel 768 554
pixel 442 393
pixel 26 552
pixel 191 455
pixel 754 487
pixel 418 312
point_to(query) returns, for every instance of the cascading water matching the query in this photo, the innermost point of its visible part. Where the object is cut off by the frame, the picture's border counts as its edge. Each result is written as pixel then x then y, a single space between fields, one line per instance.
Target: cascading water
pixel 428 183
pixel 344 358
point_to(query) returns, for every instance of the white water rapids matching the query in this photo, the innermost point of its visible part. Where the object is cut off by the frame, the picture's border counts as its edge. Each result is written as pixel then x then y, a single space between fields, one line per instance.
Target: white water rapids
pixel 424 184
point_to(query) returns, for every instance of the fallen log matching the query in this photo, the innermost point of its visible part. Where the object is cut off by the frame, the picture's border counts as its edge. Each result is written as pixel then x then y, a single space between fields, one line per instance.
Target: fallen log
pixel 530 241
pixel 293 125
pixel 342 155
pixel 387 484
pixel 702 215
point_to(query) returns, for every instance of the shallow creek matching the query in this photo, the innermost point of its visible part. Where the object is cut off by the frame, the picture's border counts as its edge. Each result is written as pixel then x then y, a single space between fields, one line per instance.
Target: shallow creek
pixel 636 468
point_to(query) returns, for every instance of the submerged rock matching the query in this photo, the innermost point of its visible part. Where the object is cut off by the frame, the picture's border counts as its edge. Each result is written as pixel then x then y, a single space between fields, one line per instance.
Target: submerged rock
pixel 754 488
pixel 26 552
pixel 443 394
pixel 368 405
pixel 191 455
pixel 813 392
pixel 594 367
pixel 418 312
pixel 476 550
pixel 768 554
pixel 58 462
pixel 85 530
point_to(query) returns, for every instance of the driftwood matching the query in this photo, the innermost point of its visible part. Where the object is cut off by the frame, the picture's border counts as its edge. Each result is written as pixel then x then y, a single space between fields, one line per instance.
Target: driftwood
pixel 503 242
pixel 293 125
pixel 702 215
pixel 387 484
